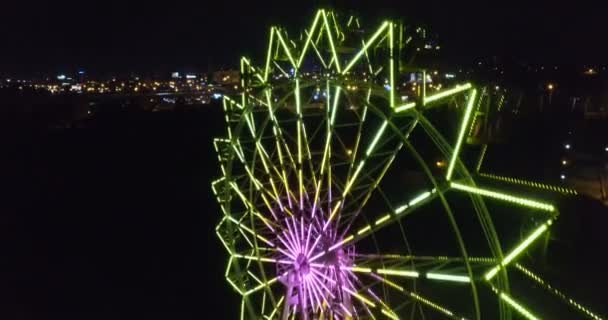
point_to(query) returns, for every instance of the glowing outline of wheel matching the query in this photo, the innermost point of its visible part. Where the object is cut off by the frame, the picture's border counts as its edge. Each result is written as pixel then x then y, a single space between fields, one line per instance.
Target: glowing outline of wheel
pixel 297 262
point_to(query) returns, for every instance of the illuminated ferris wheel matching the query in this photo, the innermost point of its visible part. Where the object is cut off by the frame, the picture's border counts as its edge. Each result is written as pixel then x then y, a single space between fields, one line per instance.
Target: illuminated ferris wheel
pixel 349 191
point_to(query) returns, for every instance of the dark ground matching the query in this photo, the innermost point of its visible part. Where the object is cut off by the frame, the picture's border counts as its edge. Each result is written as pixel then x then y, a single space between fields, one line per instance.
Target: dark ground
pixel 115 221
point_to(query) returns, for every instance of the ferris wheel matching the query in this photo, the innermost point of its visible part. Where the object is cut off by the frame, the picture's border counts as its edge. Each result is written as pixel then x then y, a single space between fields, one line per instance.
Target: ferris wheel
pixel 351 185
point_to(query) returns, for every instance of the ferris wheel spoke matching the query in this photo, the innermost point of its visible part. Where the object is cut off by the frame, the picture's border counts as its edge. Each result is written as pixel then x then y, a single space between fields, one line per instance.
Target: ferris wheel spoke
pixel 543 283
pixel 241 226
pixel 521 247
pixel 269 224
pixel 414 296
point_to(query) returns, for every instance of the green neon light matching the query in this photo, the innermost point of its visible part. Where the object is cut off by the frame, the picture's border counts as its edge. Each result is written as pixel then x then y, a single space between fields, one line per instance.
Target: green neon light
pixel 379 134
pixel 556 292
pixel 314 47
pixel 392 66
pixel 331 42
pixel 481 157
pixel 353 178
pixel 523 311
pixel 432 304
pixel 504 197
pixel 242 309
pixel 401 209
pixel 401 273
pixel 419 198
pixel 405 107
pixel 334 211
pixel 389 314
pixel 383 219
pixel 286 48
pixel 360 297
pixel 350 20
pixel 364 230
pixel 519 249
pixel 447 277
pixel 365 47
pixel 255 258
pixel 360 269
pixel 465 121
pixel 530 184
pixel 309 38
pixel 261 286
pixel 334 108
pixel 447 93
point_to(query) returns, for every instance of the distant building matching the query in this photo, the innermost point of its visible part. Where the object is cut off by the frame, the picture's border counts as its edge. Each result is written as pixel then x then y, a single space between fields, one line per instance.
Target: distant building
pixel 226 77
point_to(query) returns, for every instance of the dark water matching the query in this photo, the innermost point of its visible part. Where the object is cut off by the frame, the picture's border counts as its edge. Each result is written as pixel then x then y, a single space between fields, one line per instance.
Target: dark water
pixel 116 220
pixel 113 221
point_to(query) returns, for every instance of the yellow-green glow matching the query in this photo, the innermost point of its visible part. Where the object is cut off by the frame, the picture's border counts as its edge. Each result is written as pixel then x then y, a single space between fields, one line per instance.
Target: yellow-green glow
pixel 309 38
pixel 286 48
pixel 389 314
pixel 365 47
pixel 519 249
pixel 359 269
pixel 530 183
pixel 331 42
pixel 447 277
pixel 447 93
pixel 400 273
pixel 401 209
pixel 523 311
pixel 432 304
pixel 556 292
pixel 419 198
pixel 255 258
pixel 261 286
pixel 360 297
pixel 383 219
pixel 334 211
pixel 463 127
pixel 353 178
pixel 504 197
pixel 481 157
pixel 364 230
pixel 405 107
pixel 391 66
pixel 379 134
pixel 242 309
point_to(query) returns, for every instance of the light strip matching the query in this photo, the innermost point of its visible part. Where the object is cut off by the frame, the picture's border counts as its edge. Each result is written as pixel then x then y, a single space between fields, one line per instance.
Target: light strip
pixel 463 128
pixel 367 45
pixel 331 41
pixel 379 134
pixel 527 314
pixel 419 198
pixel 401 273
pixel 405 107
pixel 504 197
pixel 447 277
pixel 519 249
pixel 446 93
pixel 308 40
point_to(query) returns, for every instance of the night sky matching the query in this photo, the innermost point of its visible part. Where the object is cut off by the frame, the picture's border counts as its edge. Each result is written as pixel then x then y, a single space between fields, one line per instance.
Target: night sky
pixel 120 36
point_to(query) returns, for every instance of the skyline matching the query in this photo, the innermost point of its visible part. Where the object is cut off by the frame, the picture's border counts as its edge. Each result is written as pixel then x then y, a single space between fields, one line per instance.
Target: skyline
pixel 51 37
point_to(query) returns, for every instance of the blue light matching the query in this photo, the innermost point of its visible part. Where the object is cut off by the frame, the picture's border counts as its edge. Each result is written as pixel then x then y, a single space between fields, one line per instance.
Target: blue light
pixel 217 96
pixel 387 87
pixel 81 72
pixel 61 77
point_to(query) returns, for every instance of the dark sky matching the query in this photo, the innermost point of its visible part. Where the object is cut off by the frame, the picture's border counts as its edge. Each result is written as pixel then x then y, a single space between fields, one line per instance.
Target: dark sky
pixel 134 35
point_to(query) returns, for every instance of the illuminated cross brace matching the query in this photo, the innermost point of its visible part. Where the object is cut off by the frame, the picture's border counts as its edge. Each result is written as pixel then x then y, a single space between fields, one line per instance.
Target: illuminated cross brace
pixel 505 197
pixel 519 249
